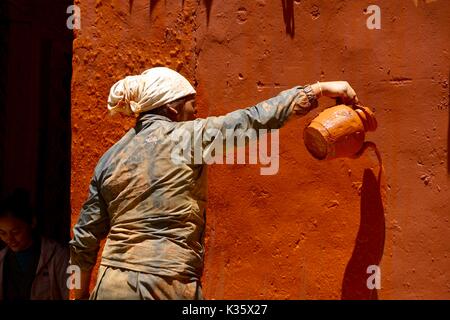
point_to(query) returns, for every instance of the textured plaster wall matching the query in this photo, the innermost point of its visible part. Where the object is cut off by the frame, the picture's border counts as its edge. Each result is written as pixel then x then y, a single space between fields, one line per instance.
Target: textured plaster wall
pixel 310 231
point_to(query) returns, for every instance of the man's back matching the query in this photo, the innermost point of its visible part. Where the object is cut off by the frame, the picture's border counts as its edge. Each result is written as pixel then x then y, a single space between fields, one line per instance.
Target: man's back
pixel 153 208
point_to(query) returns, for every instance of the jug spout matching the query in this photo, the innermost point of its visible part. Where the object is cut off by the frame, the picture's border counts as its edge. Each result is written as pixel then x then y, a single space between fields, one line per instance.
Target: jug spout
pixel 367 117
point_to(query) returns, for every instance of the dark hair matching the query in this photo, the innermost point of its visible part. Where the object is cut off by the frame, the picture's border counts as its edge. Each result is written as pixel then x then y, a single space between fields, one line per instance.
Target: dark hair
pixel 18 205
pixel 162 110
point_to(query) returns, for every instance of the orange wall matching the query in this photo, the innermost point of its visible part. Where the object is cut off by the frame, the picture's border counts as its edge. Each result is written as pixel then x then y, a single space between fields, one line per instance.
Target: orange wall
pixel 310 231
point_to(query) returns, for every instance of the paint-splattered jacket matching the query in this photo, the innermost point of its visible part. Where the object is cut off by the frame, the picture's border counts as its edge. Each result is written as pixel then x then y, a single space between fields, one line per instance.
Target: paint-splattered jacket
pixel 152 210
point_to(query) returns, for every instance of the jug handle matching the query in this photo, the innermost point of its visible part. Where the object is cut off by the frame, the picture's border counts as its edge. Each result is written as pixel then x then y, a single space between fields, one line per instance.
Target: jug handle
pixel 354 105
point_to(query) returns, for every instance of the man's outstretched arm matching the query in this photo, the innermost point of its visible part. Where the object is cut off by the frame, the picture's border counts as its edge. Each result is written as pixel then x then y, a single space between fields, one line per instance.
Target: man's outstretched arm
pixel 274 112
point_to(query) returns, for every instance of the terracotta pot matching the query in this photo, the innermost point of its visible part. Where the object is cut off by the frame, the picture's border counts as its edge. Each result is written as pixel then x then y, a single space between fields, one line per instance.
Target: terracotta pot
pixel 339 132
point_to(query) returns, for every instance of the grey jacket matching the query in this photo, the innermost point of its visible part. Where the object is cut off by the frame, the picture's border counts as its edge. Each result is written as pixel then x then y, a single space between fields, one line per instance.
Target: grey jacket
pixel 50 282
pixel 152 210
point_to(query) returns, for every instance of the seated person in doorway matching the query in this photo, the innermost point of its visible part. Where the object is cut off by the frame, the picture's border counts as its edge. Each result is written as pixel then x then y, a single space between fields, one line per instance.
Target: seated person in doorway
pixel 31 267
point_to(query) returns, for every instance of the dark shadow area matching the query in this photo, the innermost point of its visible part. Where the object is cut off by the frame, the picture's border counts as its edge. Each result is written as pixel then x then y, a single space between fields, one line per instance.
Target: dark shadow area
pixel 130 3
pixel 152 6
pixel 208 5
pixel 35 129
pixel 4 30
pixel 369 245
pixel 288 15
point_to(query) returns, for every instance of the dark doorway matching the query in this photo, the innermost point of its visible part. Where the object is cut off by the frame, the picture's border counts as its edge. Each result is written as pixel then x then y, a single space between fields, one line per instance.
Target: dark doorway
pixel 35 132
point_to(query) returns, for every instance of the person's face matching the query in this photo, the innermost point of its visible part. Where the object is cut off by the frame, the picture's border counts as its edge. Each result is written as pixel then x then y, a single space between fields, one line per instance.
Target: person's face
pixel 15 233
pixel 188 110
pixel 182 109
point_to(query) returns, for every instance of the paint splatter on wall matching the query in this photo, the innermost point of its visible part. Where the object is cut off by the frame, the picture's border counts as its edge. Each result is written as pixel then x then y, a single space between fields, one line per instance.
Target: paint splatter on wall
pixel 416 2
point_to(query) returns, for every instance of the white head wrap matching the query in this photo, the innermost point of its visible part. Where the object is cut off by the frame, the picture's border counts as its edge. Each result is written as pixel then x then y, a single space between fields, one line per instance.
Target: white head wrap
pixel 153 88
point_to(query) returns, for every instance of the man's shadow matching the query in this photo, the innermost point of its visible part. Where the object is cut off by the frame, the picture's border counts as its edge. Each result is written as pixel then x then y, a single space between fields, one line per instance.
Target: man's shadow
pixel 369 243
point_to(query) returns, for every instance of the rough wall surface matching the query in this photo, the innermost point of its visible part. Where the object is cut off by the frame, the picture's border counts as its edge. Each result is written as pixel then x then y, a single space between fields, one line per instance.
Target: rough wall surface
pixel 310 231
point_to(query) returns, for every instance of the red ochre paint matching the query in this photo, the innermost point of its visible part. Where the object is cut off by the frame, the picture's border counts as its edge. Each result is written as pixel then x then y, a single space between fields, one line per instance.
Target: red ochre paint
pixel 311 231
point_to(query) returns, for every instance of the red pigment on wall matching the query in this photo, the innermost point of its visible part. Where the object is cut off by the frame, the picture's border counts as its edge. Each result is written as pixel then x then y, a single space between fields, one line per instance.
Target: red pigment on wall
pixel 310 231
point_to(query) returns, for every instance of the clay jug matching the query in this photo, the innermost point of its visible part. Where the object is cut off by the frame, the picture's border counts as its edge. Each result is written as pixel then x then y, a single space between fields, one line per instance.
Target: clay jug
pixel 339 132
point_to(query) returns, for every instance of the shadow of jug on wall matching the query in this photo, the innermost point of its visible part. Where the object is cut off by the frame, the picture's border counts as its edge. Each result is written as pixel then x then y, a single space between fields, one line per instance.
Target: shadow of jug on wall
pixel 339 132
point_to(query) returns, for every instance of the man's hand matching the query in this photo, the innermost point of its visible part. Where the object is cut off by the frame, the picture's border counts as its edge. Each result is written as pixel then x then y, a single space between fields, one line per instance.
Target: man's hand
pixel 339 90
